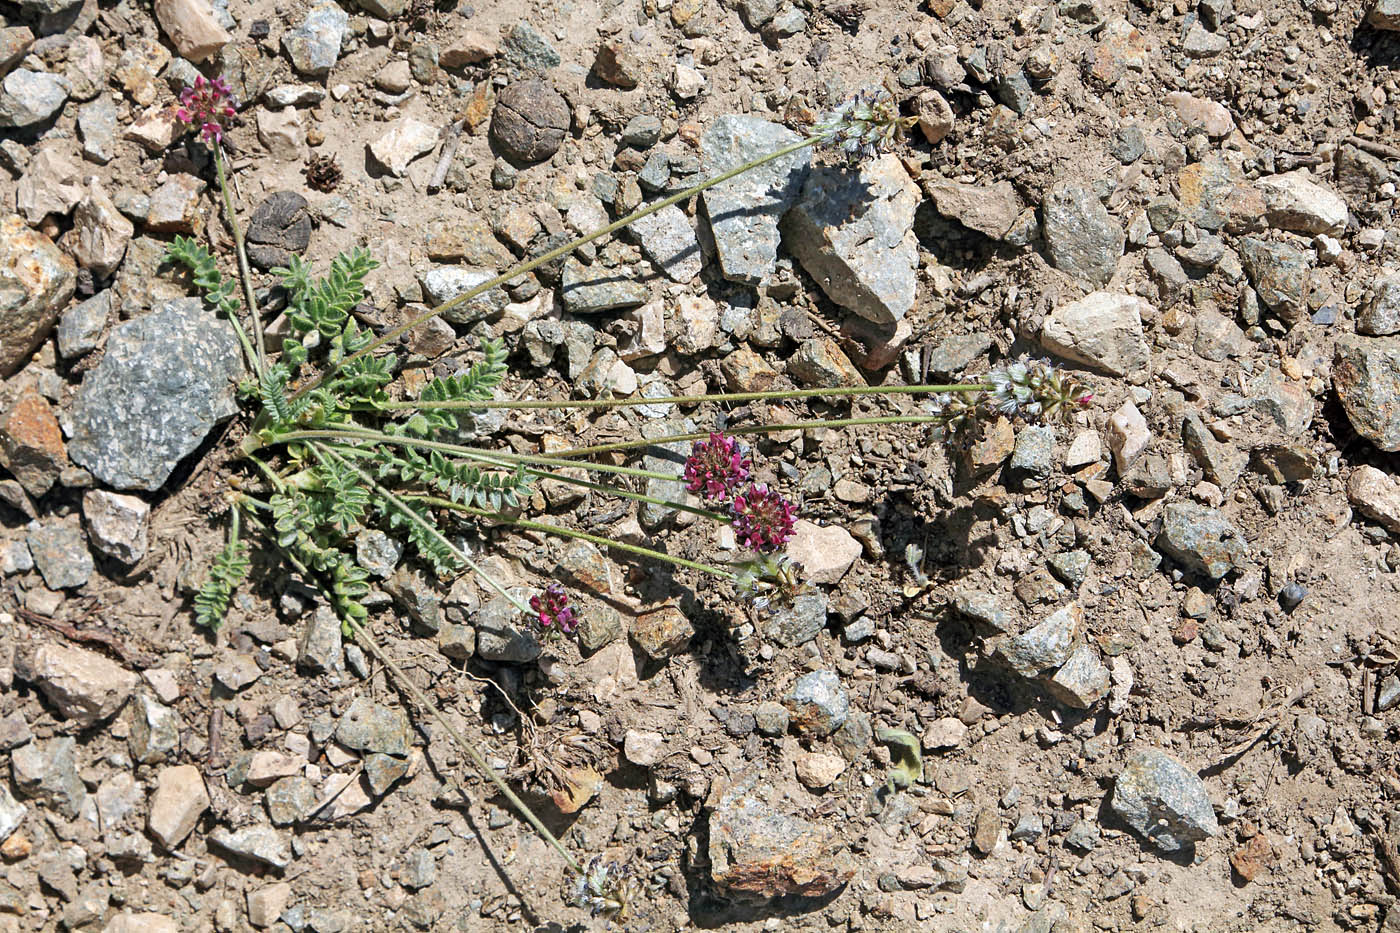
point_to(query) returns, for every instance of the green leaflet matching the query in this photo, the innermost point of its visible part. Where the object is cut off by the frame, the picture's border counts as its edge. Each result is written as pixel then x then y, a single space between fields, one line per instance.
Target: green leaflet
pixel 906 754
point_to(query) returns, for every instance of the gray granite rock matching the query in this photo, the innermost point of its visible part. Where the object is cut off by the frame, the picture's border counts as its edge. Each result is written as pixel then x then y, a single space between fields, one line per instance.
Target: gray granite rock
pixel 1279 274
pixel 314 46
pixel 166 380
pixel 1044 646
pixel 1381 315
pixel 1366 375
pixel 1082 680
pixel 818 704
pixel 853 233
pixel 1163 801
pixel 11 813
pixel 97 124
pixel 81 326
pixel 290 799
pixel 258 843
pixel 28 98
pixel 669 241
pixel 1080 235
pixel 527 48
pixel 155 730
pixel 1202 539
pixel 445 283
pixel 798 623
pixel 744 212
pixel 61 554
pixel 367 726
pixel 590 289
pixel 48 770
pixel 321 646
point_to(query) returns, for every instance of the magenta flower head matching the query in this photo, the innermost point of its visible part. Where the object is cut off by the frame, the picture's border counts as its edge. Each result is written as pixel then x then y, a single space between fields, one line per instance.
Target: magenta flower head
pixel 208 104
pixel 763 520
pixel 716 467
pixel 552 610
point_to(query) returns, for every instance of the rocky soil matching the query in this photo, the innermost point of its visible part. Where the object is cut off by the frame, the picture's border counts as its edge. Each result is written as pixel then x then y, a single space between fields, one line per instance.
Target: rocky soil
pixel 1145 676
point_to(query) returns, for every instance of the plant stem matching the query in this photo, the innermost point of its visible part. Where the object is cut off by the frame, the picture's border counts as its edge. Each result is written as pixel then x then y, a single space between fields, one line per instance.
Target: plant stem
pixel 776 395
pixel 556 253
pixel 346 435
pixel 363 636
pixel 531 525
pixel 326 453
pixel 243 274
pixel 747 429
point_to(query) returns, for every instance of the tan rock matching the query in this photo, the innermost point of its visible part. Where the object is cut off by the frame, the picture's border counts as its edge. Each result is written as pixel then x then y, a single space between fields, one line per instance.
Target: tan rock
pixel 179 801
pixel 52 185
pixel 267 767
pixel 283 133
pixel 154 130
pixel 1128 436
pixel 192 27
pixel 175 205
pixel 143 922
pixel 468 48
pixel 1377 494
pixel 825 552
pixel 266 903
pixel 818 770
pixel 405 140
pixel 100 232
pixel 85 686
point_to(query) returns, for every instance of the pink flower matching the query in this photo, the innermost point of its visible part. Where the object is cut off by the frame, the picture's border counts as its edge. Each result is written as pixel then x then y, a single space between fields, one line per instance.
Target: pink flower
pixel 716 467
pixel 209 104
pixel 552 609
pixel 763 520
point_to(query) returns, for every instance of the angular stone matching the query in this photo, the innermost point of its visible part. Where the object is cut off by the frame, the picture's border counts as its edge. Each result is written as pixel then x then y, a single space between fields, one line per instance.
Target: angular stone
pixel 28 98
pixel 51 185
pixel 1295 201
pixel 259 843
pixel 1102 330
pixel 31 443
pixel 166 380
pixel 853 233
pixel 266 767
pixel 1199 113
pixel 466 238
pixel 1080 236
pixel 1044 646
pixel 49 771
pixel 175 205
pixel 282 134
pixel 819 362
pixel 290 800
pixel 314 46
pixel 180 799
pixel 36 282
pixel 1128 436
pixel 1366 375
pixel 663 632
pixel 367 726
pixel 1163 801
pixel 499 638
pixel 669 241
pixel 192 27
pixel 86 687
pixel 590 289
pixel 527 48
pixel 746 371
pixel 468 48
pixel 990 210
pixel 155 730
pixel 1221 463
pixel 1381 315
pixel 818 704
pixel 266 903
pixel 442 284
pixel 405 140
pixel 1376 494
pixel 757 851
pixel 1082 681
pixel 1385 14
pixel 1279 273
pixel 825 552
pixel 81 326
pixel 100 233
pixel 744 212
pixel 818 770
pixel 791 626
pixel 11 813
pixel 1202 539
pixel 320 649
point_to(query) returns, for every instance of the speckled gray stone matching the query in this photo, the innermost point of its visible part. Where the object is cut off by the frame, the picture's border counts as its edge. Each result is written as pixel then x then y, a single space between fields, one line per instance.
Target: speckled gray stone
pixel 499 638
pixel 853 233
pixel 1366 375
pixel 81 325
pixel 669 242
pixel 818 704
pixel 367 726
pixel 259 843
pixel 1162 800
pixel 1202 539
pixel 1279 274
pixel 62 556
pixel 28 98
pixel 1381 315
pixel 1080 235
pixel 744 211
pixel 166 380
pixel 444 283
pixel 314 46
pixel 1043 646
pixel 590 289
pixel 798 623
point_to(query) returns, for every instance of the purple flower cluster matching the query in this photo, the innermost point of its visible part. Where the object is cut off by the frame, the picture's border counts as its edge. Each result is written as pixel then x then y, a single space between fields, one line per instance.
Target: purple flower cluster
pixel 208 104
pixel 717 469
pixel 552 610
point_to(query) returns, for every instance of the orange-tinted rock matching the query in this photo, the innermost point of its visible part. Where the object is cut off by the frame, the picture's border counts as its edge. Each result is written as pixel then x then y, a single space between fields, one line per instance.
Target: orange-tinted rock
pixel 36 281
pixel 31 444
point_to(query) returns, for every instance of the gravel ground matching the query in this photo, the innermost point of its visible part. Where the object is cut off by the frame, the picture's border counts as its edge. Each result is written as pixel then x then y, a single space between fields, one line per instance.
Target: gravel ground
pixel 1145 677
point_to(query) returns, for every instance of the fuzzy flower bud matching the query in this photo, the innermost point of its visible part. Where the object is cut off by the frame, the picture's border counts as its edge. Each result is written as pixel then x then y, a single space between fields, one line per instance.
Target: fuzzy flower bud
pixel 763 520
pixel 1036 389
pixel 209 104
pixel 552 610
pixel 864 125
pixel 715 468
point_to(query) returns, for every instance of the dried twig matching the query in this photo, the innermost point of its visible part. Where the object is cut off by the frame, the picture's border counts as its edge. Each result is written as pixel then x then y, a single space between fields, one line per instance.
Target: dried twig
pixel 451 140
pixel 128 656
pixel 1373 147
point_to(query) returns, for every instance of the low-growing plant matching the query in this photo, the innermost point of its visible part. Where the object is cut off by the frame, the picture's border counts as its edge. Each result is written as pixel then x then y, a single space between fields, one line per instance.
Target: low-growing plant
pixel 334 447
